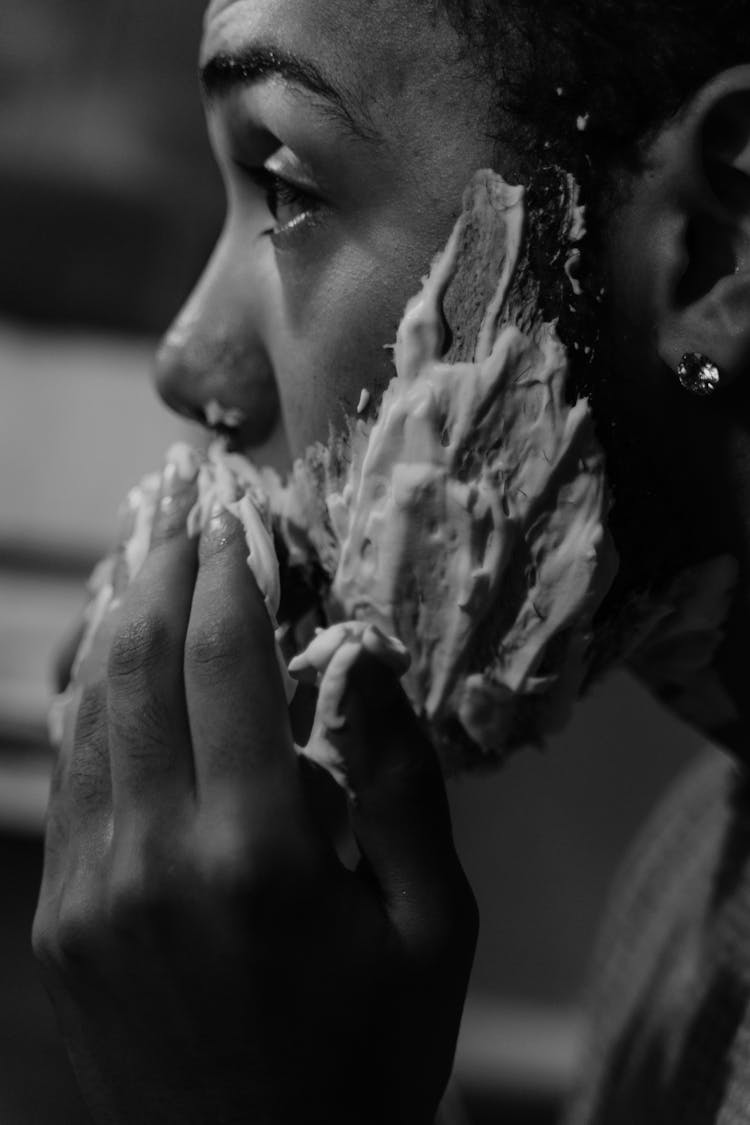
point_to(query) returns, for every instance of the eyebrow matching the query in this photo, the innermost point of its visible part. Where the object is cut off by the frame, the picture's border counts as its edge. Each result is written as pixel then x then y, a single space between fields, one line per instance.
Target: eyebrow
pixel 226 71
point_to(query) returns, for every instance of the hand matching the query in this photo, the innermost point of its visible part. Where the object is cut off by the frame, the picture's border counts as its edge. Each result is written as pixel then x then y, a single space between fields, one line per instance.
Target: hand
pixel 210 958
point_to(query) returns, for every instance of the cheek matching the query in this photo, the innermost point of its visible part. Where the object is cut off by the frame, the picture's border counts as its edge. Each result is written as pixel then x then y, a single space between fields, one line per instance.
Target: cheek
pixel 339 349
pixel 340 319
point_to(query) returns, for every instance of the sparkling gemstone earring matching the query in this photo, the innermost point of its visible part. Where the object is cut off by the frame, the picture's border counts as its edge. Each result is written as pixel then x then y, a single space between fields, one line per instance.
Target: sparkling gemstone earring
pixel 698 374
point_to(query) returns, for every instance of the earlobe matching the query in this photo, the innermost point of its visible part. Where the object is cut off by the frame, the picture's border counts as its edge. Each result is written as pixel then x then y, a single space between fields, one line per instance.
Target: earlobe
pixel 706 301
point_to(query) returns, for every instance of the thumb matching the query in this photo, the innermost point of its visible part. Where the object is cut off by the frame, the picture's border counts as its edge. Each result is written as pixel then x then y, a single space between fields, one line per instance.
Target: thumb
pixel 398 803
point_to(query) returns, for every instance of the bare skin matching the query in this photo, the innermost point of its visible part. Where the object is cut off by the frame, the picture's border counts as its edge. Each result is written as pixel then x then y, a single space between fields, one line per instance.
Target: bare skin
pixel 291 328
pixel 210 958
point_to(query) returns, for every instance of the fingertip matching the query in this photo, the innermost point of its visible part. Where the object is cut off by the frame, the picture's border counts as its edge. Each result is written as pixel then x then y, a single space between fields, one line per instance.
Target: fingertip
pixel 365 715
pixel 241 568
pixel 177 496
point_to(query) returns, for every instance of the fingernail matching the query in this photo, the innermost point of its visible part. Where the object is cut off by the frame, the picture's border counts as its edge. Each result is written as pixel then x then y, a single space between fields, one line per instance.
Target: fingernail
pixel 171 486
pixel 218 530
pixel 176 498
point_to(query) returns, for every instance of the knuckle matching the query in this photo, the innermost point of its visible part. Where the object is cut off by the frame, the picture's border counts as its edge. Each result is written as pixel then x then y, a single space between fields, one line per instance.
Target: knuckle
pixel 220 865
pixel 257 871
pixel 138 891
pixel 219 878
pixel 138 648
pixel 132 901
pixel 213 648
pixel 70 921
pixel 151 878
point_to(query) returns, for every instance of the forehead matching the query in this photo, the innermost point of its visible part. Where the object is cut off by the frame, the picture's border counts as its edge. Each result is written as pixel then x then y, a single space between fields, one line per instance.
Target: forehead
pixel 381 48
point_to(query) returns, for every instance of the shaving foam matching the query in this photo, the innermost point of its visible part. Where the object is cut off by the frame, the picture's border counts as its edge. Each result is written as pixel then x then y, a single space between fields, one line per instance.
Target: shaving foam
pixel 222 480
pixel 471 522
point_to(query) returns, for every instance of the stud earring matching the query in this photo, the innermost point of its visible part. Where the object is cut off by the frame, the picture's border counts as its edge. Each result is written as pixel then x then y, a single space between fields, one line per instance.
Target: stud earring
pixel 698 374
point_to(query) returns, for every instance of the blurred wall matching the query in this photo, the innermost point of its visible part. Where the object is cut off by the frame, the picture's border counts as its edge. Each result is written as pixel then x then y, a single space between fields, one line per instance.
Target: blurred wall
pixel 109 206
pixel 109 202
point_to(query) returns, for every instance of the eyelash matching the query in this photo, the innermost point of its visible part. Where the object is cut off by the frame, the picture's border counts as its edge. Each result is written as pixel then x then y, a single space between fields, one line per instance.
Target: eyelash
pixel 281 192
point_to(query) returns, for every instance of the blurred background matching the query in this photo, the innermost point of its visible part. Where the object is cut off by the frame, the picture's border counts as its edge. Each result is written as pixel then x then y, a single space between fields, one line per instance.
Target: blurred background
pixel 109 205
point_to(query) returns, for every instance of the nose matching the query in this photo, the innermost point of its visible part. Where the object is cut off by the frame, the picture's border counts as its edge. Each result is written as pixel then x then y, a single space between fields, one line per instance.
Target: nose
pixel 212 366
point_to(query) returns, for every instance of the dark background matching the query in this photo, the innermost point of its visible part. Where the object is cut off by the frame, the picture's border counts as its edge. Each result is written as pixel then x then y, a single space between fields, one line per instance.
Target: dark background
pixel 108 202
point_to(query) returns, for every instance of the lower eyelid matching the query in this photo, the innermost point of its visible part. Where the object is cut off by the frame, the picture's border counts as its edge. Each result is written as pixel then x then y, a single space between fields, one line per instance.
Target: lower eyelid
pixel 287 237
pixel 312 208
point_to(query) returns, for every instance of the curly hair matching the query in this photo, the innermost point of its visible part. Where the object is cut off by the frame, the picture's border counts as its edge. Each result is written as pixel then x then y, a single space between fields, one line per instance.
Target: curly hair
pixel 581 87
pixel 590 81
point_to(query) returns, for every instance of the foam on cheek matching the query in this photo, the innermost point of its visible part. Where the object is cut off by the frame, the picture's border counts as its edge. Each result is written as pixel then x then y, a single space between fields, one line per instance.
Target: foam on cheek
pixel 471 522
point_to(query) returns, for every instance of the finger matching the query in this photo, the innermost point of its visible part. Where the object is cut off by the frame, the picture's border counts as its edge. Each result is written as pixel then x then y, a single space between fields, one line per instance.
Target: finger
pixel 137 516
pixel 238 714
pixel 126 525
pixel 57 819
pixel 79 820
pixel 399 807
pixel 88 777
pixel 151 756
pixel 88 786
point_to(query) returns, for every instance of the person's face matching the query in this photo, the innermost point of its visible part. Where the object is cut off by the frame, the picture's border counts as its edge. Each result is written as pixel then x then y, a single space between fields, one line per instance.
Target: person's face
pixel 296 310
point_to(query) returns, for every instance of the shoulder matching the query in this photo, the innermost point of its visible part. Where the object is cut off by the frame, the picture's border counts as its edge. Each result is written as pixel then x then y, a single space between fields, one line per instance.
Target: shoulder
pixel 655 956
pixel 676 848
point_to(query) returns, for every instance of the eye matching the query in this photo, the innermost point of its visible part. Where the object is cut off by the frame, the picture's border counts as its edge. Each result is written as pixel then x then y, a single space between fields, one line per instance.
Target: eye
pixel 292 206
pixel 288 202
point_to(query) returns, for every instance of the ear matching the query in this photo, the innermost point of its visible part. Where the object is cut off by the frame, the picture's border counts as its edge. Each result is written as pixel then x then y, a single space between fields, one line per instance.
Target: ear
pixel 703 298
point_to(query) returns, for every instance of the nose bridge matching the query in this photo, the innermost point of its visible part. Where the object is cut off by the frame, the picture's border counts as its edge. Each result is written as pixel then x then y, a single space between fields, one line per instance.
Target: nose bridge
pixel 214 352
